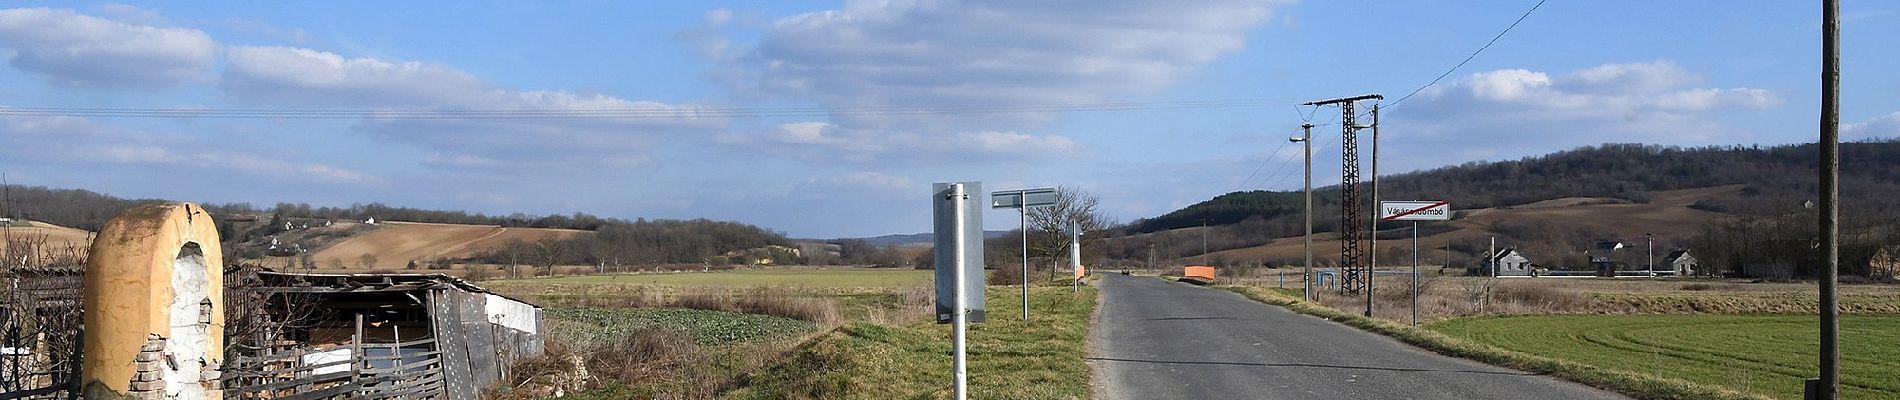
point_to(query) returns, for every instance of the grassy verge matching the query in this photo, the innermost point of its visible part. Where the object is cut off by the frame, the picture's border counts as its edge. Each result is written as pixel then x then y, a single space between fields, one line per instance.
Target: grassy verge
pixel 1632 384
pixel 1765 354
pixel 1009 358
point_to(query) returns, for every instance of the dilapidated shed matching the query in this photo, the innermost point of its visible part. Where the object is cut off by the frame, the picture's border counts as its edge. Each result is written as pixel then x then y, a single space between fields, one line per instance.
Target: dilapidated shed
pixel 321 336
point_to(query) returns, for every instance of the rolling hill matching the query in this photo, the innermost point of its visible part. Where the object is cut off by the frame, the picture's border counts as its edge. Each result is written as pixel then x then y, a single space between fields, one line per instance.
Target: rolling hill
pixel 1738 204
pixel 394 244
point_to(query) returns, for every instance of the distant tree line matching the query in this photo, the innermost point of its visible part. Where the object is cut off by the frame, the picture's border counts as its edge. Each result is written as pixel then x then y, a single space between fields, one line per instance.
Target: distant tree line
pixel 618 242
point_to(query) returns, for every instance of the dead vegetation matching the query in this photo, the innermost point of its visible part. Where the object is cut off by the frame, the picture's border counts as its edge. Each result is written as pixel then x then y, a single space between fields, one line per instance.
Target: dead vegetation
pixel 666 364
pixel 1444 297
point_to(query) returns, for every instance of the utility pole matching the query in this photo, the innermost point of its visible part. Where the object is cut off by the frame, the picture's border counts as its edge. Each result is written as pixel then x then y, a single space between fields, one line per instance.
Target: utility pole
pixel 1306 280
pixel 1352 228
pixel 1649 254
pixel 1830 217
pixel 1372 269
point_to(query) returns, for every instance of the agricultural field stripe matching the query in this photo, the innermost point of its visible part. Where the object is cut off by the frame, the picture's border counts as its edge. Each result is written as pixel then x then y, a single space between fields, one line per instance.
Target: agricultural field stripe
pixel 1633 385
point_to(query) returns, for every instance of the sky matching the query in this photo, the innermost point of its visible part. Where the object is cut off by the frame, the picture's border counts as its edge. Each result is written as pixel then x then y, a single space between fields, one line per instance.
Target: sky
pixel 827 119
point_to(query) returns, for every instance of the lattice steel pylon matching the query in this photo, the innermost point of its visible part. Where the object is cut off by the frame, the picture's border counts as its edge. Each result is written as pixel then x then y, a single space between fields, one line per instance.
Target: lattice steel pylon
pixel 1353 225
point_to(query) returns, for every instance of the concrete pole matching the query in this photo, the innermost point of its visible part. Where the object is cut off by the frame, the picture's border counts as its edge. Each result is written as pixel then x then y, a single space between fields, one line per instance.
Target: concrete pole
pixel 1306 138
pixel 1490 258
pixel 1372 267
pixel 960 316
pixel 1414 273
pixel 1650 253
pixel 1830 216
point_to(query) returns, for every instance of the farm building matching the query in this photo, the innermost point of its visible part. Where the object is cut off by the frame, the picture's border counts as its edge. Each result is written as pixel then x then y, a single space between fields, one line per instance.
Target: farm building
pixel 1605 266
pixel 371 335
pixel 1681 262
pixel 1507 262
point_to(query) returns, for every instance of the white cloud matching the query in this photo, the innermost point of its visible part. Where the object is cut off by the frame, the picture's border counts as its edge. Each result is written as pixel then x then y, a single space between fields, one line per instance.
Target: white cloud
pixel 79 50
pixel 956 52
pixel 826 142
pixel 304 76
pixel 1885 126
pixel 444 96
pixel 1632 77
pixel 857 185
pixel 886 53
pixel 1516 112
pixel 76 141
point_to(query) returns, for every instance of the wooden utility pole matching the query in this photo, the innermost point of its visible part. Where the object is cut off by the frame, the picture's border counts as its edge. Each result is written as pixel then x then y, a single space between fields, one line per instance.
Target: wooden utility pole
pixel 1830 216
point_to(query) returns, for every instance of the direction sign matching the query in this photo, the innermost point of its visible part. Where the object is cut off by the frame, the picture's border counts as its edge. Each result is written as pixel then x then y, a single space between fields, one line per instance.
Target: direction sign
pixel 1022 198
pixel 1414 210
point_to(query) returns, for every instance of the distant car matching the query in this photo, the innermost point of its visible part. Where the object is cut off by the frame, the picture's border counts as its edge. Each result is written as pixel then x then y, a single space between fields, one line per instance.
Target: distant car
pixel 1124 272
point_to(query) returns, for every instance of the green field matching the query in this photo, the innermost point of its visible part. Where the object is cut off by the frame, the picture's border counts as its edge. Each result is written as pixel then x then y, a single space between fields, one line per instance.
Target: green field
pixel 1009 358
pixel 593 324
pixel 1758 354
pixel 816 278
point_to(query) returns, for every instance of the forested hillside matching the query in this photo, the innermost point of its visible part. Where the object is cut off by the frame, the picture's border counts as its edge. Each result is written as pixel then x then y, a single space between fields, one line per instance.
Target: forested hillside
pixel 1768 223
pixel 1779 178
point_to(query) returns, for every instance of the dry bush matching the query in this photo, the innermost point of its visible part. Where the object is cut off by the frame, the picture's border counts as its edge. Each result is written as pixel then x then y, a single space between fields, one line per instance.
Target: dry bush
pixel 790 304
pixel 914 304
pixel 559 370
pixel 1538 299
pixel 1006 275
pixel 638 354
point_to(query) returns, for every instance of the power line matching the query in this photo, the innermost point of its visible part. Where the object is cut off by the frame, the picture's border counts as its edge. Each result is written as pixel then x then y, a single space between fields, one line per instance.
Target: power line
pixel 1304 117
pixel 687 112
pixel 1474 54
pixel 1263 164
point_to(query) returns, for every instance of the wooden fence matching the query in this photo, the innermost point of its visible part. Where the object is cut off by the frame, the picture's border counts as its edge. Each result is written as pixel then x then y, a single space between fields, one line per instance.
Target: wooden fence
pixel 397 370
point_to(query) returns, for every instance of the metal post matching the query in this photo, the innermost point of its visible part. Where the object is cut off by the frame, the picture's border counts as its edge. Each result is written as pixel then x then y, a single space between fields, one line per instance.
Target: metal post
pixel 1075 256
pixel 960 316
pixel 1372 266
pixel 1306 280
pixel 1024 223
pixel 1414 273
pixel 1830 217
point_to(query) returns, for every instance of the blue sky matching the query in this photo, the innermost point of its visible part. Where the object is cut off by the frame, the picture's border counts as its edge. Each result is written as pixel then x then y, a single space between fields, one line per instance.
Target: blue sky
pixel 778 113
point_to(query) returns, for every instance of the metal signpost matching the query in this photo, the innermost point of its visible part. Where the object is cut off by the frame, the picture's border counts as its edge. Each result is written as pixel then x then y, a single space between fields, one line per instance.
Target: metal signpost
pixel 1414 211
pixel 959 268
pixel 1022 200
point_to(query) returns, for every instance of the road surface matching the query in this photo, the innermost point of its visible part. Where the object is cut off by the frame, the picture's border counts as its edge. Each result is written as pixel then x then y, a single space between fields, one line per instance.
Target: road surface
pixel 1162 340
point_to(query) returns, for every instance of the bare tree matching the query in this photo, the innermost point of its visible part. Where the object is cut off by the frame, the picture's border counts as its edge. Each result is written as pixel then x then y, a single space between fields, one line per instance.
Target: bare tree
pixel 1049 225
pixel 367 261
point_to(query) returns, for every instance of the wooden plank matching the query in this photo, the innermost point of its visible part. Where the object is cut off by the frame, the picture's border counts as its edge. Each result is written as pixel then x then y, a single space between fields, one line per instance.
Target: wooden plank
pixel 343 391
pixel 484 364
pixel 315 379
pixel 452 340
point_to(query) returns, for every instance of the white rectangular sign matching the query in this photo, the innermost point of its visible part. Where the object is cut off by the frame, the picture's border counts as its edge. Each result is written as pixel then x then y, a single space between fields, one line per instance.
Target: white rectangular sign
pixel 1415 210
pixel 1022 198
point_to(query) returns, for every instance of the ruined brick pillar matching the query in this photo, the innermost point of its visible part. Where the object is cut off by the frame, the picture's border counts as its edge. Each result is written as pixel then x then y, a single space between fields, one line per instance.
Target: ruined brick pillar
pixel 154 290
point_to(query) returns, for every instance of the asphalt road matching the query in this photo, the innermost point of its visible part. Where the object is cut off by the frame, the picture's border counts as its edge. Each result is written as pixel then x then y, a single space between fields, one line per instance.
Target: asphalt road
pixel 1161 340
